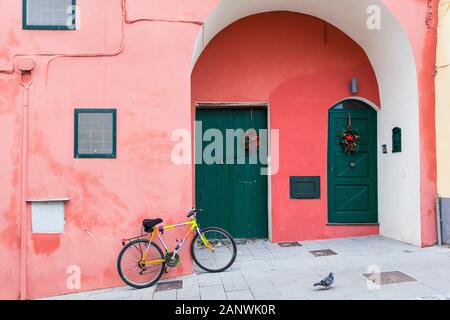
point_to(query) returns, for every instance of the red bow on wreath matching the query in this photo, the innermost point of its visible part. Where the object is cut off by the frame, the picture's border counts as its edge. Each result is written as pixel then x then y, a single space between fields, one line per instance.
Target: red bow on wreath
pixel 349 138
pixel 251 141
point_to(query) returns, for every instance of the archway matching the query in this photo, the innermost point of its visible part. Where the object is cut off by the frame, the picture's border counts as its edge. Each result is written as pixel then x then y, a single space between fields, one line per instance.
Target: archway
pixel 399 174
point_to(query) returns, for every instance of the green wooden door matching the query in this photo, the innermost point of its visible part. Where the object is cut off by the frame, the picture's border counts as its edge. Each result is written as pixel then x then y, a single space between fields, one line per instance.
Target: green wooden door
pixel 232 192
pixel 352 178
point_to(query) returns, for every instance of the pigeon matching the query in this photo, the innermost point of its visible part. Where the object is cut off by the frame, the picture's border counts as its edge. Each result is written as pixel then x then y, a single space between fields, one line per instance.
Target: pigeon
pixel 326 282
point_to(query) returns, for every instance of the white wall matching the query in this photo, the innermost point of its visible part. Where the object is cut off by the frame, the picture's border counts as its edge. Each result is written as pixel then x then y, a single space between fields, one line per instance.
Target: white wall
pixel 392 59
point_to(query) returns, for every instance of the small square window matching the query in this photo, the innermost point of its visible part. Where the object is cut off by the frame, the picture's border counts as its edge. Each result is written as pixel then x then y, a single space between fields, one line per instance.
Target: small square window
pixel 95 133
pixel 49 14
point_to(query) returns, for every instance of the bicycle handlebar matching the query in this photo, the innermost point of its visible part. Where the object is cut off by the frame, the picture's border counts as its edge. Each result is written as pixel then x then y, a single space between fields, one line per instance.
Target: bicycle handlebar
pixel 193 211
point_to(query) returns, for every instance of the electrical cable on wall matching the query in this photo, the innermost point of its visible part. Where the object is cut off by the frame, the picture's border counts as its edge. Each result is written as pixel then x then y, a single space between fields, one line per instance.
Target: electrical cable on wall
pixel 125 20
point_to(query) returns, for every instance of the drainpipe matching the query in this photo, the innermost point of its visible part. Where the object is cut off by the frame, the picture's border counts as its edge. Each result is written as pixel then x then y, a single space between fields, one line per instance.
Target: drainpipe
pixel 438 219
pixel 25 66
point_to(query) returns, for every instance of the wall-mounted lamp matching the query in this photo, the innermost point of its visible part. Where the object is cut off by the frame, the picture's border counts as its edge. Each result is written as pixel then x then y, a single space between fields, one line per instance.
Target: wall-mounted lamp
pixel 26 66
pixel 354 85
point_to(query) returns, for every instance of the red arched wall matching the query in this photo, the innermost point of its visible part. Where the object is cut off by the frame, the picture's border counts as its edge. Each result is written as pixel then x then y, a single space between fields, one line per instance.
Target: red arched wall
pixel 301 66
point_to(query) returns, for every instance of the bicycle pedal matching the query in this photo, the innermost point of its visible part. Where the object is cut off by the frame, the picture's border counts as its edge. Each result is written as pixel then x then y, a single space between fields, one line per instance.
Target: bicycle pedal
pixel 166 270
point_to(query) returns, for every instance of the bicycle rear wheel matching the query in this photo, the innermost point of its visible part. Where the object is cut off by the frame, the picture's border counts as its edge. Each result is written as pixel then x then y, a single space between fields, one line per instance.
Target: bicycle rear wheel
pixel 132 271
pixel 218 254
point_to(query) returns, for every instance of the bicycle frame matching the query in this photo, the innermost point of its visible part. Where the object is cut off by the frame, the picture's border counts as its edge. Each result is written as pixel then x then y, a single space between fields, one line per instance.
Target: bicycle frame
pixel 158 231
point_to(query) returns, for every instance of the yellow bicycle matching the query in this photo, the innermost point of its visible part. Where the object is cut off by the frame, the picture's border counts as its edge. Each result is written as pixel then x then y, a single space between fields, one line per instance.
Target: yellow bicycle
pixel 141 262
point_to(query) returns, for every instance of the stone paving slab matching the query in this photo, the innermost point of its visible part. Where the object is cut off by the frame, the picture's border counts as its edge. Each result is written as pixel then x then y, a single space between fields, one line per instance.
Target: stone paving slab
pixel 266 271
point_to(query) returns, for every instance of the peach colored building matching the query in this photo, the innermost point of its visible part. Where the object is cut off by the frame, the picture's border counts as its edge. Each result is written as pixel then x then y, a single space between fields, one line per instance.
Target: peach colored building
pixel 443 100
pixel 91 93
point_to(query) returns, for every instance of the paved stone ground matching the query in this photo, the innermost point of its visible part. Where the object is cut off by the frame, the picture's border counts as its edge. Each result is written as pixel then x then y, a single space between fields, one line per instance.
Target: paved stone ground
pixel 266 271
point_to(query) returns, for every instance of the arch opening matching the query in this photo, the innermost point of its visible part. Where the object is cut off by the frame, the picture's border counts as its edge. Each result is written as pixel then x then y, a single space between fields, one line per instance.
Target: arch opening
pixel 395 72
pixel 359 100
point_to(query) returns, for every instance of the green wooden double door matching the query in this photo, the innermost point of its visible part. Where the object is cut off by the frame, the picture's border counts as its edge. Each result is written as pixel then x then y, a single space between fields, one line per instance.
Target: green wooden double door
pixel 352 178
pixel 232 191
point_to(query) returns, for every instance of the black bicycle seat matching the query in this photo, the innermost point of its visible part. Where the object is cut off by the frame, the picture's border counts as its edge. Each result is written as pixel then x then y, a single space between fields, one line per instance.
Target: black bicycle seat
pixel 149 224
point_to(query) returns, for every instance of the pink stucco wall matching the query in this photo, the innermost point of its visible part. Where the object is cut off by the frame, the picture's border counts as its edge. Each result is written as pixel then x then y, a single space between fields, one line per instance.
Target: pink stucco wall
pixel 149 84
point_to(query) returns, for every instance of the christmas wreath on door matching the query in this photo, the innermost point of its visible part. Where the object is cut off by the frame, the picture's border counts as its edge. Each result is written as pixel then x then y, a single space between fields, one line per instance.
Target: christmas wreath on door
pixel 350 138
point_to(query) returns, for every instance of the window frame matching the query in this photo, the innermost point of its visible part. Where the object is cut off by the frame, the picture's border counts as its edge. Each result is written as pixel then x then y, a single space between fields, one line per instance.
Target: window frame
pixel 112 155
pixel 26 26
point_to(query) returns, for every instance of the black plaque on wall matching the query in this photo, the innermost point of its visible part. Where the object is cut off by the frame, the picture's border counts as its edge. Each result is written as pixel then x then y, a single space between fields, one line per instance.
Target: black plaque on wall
pixel 304 187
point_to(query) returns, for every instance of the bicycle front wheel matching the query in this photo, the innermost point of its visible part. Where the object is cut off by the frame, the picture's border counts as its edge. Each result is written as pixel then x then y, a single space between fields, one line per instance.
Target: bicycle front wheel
pixel 215 250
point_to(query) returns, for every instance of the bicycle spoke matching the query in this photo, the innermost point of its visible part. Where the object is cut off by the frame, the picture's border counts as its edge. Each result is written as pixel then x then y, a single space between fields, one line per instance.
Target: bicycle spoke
pixel 136 254
pixel 221 254
pixel 131 263
pixel 130 267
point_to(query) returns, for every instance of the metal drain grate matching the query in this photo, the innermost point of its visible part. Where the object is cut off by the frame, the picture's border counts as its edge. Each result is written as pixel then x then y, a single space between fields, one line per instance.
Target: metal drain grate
pixel 390 277
pixel 169 285
pixel 323 253
pixel 289 244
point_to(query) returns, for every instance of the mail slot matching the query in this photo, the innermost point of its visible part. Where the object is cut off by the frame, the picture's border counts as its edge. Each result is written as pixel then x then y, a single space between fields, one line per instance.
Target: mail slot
pixel 304 187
